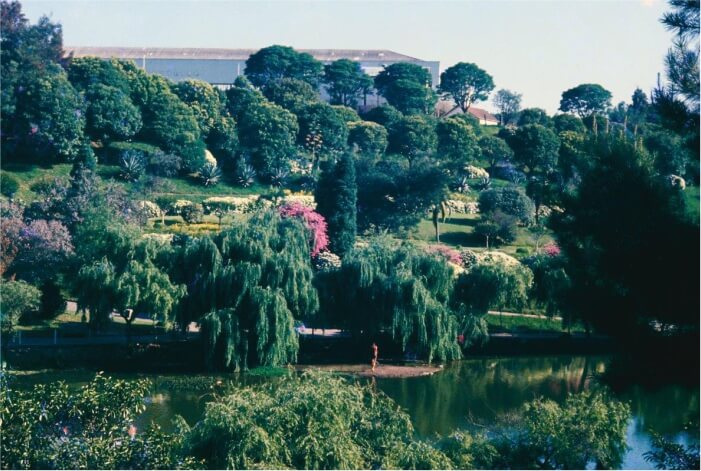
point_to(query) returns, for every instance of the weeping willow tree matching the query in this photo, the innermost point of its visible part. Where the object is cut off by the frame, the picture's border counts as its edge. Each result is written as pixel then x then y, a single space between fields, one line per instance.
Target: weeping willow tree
pixel 249 284
pixel 139 285
pixel 395 289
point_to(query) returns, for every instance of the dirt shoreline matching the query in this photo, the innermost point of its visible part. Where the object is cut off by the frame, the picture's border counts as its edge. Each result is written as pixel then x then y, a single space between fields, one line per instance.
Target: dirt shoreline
pixel 382 370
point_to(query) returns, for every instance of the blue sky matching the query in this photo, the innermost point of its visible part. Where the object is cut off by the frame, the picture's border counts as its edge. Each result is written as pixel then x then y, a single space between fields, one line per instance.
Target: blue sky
pixel 537 48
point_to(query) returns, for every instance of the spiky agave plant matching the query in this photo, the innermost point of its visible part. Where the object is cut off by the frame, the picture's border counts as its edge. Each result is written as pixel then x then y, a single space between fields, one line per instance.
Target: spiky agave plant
pixel 278 176
pixel 210 174
pixel 131 165
pixel 246 175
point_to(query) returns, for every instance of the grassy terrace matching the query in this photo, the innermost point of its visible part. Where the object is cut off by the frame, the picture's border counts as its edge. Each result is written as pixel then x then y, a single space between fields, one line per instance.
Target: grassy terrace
pixel 499 323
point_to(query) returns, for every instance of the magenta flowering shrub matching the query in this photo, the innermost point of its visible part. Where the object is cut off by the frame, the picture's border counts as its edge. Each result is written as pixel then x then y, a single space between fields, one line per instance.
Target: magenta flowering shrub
pixel 551 250
pixel 314 221
pixel 451 255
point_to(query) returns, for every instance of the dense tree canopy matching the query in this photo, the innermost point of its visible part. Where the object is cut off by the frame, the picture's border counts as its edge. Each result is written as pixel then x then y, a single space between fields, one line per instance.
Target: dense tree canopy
pixel 369 138
pixel 413 137
pixel 260 281
pixel 292 94
pixel 277 62
pixel 509 104
pixel 457 144
pixel 585 99
pixel 111 114
pixel 346 82
pixel 465 84
pixel 336 196
pixel 406 87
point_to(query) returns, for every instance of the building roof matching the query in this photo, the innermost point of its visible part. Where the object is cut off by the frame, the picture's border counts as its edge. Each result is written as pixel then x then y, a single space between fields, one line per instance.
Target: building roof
pixel 230 54
pixel 448 108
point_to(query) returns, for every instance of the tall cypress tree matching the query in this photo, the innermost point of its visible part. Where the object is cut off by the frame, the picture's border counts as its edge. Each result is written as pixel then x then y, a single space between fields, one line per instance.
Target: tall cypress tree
pixel 336 199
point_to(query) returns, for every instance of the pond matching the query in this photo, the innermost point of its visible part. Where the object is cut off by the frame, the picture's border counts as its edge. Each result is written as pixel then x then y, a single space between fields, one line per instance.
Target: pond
pixel 465 393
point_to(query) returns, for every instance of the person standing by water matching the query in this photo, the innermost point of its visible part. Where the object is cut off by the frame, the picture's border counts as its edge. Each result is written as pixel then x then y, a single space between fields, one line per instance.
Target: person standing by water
pixel 375 352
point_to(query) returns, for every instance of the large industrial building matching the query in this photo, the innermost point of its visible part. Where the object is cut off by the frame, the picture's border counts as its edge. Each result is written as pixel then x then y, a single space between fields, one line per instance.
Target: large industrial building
pixel 220 67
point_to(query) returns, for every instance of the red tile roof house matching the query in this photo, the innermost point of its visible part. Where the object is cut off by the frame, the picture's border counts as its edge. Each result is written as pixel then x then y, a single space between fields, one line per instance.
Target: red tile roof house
pixel 447 108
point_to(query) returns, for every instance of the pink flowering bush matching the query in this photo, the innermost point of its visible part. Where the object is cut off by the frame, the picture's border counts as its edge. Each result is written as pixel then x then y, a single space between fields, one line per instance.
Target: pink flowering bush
pixel 451 255
pixel 314 221
pixel 551 250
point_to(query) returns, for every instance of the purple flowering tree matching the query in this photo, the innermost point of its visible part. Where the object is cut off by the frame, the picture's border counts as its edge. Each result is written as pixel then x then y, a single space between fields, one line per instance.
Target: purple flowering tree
pixel 43 246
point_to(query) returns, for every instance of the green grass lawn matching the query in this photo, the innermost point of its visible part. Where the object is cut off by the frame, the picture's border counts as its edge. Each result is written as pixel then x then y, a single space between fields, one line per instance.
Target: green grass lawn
pixel 499 323
pixel 183 187
pixel 691 195
pixel 459 231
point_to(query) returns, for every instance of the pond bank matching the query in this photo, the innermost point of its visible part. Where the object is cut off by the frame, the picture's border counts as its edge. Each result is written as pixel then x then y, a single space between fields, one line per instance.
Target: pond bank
pixel 382 371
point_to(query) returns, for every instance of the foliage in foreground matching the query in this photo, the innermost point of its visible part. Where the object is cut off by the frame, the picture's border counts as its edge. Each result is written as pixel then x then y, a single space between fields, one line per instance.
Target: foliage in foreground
pixel 310 421
pixel 52 427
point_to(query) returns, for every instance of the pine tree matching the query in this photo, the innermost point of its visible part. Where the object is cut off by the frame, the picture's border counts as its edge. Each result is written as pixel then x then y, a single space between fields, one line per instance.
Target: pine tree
pixel 336 198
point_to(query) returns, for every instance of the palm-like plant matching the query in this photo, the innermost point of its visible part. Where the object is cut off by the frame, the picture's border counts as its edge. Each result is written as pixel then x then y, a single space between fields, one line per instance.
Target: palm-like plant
pixel 245 175
pixel 278 177
pixel 210 174
pixel 131 165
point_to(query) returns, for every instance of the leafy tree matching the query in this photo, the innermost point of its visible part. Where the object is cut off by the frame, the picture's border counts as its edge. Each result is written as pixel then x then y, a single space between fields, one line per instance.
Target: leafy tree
pixel 53 426
pixel 457 144
pixel 42 244
pixel 369 138
pixel 510 200
pixel 666 454
pixel 567 122
pixel 346 83
pixel 494 150
pixel 399 290
pixel 321 121
pixel 413 137
pixel 242 96
pixel 223 139
pixel 268 132
pixel 585 99
pixel 493 285
pixel 589 427
pixel 264 281
pixel 85 72
pixel 384 115
pixel 313 222
pixel 311 421
pixel 465 84
pixel 682 60
pixel 509 104
pixel 8 185
pixel 111 114
pixel 497 227
pixel 534 116
pixel 204 101
pixel 536 152
pixel 50 117
pixel 669 152
pixel 18 299
pixel 406 87
pixel 292 94
pixel 393 197
pixel 171 124
pixel 28 52
pixel 276 62
pixel 336 197
pixel 607 232
pixel 347 114
pixel 551 283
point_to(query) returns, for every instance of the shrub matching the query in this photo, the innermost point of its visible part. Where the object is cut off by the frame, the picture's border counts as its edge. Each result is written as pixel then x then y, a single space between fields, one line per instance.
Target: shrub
pixel 468 258
pixel 53 302
pixel 149 209
pixel 18 299
pixel 164 165
pixel 449 254
pixel 209 174
pixel 314 222
pixel 511 200
pixel 233 204
pixel 245 175
pixel 192 213
pixel 166 203
pixel 131 165
pixel 8 185
pixel 326 261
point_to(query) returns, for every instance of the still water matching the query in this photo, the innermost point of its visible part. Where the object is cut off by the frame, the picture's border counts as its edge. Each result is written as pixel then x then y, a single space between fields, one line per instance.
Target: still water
pixel 473 392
